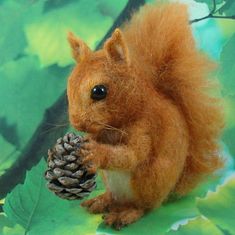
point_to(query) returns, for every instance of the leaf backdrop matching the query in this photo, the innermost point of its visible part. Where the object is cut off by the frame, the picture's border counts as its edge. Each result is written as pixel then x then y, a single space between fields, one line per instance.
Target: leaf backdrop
pixel 34 64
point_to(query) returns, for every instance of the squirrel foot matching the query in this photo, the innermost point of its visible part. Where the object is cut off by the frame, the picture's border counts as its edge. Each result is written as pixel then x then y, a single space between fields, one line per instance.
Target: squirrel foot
pixel 122 218
pixel 99 204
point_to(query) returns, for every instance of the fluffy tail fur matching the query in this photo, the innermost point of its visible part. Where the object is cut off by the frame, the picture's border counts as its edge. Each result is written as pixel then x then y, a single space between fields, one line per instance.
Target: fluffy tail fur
pixel 160 37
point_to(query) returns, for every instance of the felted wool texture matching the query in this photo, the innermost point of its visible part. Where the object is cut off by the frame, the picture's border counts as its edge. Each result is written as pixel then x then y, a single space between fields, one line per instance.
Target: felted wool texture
pixel 158 121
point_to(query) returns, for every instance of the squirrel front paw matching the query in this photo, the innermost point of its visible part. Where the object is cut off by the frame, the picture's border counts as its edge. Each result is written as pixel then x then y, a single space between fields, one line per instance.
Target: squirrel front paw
pixel 93 153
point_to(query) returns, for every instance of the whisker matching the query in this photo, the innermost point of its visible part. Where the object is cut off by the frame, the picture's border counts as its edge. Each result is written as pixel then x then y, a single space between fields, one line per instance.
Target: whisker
pixel 52 129
pixel 58 125
pixel 109 127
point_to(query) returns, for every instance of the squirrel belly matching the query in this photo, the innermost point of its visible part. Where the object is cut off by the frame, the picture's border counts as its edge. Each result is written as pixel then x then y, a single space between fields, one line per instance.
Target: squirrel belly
pixel 118 183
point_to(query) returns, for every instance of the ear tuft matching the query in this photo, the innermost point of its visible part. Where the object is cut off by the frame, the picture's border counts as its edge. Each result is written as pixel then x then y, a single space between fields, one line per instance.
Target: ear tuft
pixel 79 48
pixel 115 47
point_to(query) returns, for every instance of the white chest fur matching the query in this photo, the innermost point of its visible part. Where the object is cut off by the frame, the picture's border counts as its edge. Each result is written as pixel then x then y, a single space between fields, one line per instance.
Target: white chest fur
pixel 118 182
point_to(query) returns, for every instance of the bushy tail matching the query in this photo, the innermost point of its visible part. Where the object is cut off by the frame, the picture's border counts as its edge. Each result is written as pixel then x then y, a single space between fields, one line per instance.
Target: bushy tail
pixel 160 37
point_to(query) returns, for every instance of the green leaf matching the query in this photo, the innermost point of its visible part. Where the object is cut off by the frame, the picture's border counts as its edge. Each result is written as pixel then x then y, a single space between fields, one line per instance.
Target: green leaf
pixel 228 8
pixel 39 211
pixel 160 220
pixel 4 221
pixel 197 226
pixel 228 104
pixel 9 132
pixel 227 72
pixel 13 15
pixel 16 230
pixel 8 154
pixel 28 91
pixel 47 37
pixel 9 228
pixel 210 2
pixel 111 8
pixel 229 139
pixel 51 5
pixel 227 78
pixel 219 206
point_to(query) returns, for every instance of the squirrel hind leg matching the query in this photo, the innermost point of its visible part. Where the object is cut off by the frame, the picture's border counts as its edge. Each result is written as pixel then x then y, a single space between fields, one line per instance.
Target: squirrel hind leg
pixel 120 218
pixel 99 204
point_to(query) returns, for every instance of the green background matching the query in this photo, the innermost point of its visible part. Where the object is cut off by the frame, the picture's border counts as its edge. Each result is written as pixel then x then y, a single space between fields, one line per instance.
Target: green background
pixel 35 62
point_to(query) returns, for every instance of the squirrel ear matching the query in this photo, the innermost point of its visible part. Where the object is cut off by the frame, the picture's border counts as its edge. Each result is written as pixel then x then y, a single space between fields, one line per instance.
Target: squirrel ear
pixel 115 47
pixel 79 48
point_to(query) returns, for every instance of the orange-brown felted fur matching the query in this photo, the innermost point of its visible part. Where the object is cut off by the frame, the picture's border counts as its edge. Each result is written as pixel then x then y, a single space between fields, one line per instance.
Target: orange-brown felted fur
pixel 156 131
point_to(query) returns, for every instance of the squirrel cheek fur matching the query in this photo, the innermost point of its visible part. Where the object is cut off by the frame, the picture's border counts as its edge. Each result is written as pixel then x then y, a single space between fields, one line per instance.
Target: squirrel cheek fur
pixel 157 129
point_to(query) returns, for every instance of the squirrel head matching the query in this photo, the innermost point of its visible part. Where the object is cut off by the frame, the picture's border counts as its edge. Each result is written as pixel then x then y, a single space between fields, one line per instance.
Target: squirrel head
pixel 102 90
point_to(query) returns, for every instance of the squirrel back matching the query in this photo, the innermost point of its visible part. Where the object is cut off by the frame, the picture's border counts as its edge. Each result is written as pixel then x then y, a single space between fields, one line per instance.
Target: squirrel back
pixel 161 39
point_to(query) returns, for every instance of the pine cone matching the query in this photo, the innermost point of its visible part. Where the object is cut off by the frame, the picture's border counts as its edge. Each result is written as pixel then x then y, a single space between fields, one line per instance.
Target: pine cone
pixel 66 176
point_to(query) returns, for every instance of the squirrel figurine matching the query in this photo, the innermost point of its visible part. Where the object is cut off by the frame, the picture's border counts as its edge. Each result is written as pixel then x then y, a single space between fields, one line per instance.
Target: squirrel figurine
pixel 152 126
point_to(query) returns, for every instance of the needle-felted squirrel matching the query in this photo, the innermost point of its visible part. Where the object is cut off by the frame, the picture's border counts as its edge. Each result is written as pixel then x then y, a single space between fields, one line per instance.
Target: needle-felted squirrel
pixel 152 126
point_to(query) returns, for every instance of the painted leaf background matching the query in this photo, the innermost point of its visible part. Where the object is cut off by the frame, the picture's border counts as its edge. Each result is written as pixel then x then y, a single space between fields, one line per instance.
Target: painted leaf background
pixel 34 64
pixel 26 206
pixel 225 6
pixel 216 212
pixel 210 3
pixel 228 7
pixel 197 226
pixel 39 211
pixel 29 58
pixel 217 205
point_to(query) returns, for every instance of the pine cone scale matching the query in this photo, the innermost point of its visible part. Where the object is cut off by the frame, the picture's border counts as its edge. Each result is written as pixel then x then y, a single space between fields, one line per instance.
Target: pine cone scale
pixel 54 187
pixel 69 158
pixel 71 166
pixel 59 162
pixel 77 174
pixel 67 181
pixel 61 172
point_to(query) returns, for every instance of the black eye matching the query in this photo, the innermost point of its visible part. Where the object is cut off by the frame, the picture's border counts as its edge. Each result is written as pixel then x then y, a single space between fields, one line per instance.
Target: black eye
pixel 98 92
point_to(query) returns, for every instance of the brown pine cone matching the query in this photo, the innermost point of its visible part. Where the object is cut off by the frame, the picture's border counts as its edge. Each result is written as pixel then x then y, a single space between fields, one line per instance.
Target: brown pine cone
pixel 66 176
